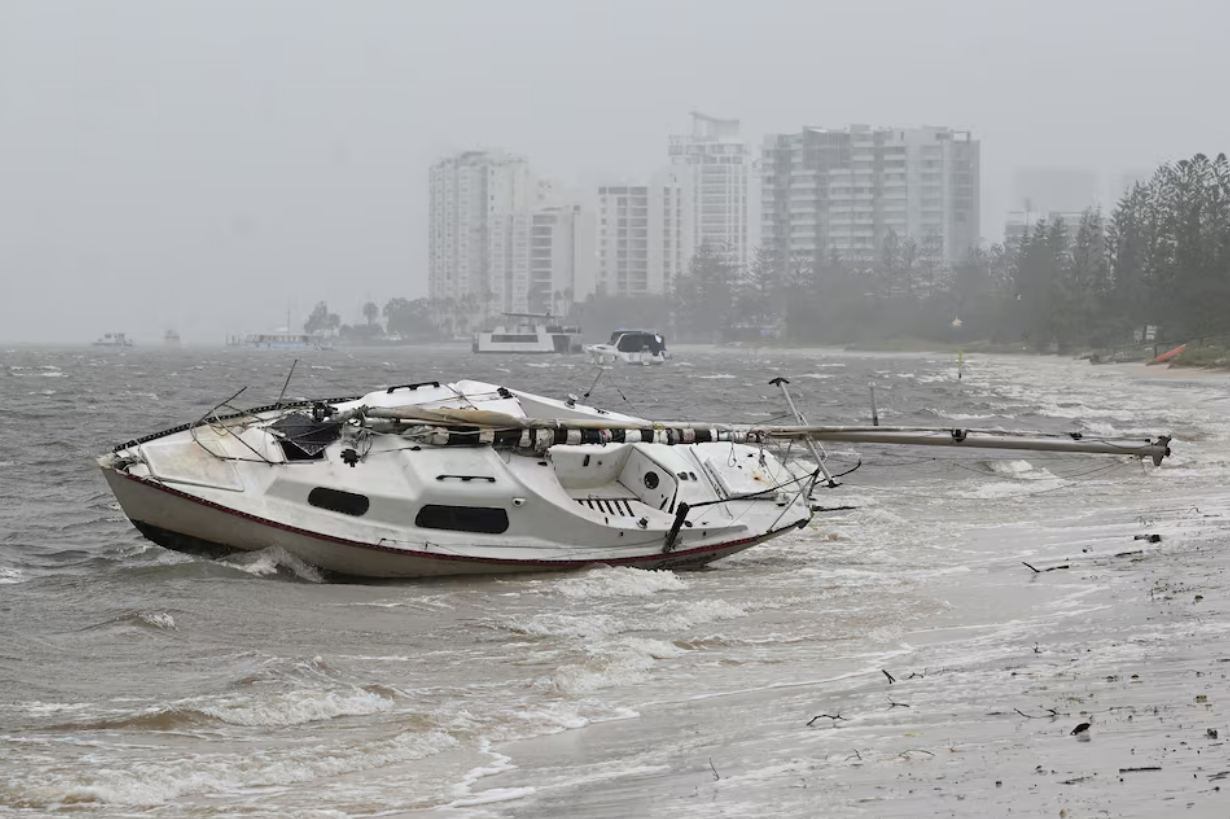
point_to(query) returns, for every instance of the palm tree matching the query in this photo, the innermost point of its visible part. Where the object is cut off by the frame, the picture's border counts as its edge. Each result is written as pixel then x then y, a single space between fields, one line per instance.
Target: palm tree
pixel 370 312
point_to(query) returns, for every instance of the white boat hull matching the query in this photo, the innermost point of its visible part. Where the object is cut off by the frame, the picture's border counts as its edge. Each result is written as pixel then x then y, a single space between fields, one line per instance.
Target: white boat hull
pixel 182 522
pixel 609 354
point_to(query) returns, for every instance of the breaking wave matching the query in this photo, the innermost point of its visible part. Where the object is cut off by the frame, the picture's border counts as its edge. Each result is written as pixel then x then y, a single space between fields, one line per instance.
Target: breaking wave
pixel 619 581
pixel 274 561
pixel 154 781
pixel 623 662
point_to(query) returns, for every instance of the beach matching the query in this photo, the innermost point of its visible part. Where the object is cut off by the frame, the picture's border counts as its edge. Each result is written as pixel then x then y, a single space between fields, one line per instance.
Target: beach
pixel 1128 635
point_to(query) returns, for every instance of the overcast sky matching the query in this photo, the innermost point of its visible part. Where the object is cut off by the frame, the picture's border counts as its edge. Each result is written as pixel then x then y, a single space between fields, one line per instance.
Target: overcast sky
pixel 201 165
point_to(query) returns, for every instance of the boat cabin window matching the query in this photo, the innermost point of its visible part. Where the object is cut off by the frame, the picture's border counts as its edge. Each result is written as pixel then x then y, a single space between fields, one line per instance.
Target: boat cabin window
pixel 510 338
pixel 335 500
pixel 482 519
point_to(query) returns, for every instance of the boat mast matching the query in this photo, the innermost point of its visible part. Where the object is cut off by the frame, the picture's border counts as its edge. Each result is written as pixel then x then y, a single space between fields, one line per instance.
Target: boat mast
pixel 457 422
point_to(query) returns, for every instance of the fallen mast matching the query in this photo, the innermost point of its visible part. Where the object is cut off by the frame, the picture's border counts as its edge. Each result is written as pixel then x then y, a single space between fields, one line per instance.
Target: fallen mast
pixel 459 426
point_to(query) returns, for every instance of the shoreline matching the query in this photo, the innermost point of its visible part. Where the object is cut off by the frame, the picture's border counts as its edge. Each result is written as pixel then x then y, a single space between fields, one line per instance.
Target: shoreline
pixel 1131 637
pixel 1140 371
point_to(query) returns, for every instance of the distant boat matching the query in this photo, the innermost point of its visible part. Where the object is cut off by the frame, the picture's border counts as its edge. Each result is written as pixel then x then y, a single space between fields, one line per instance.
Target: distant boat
pixel 281 340
pixel 171 338
pixel 528 333
pixel 114 340
pixel 630 347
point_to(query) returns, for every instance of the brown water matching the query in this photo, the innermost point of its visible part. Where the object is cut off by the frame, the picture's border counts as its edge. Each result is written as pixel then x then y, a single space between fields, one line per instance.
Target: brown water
pixel 137 681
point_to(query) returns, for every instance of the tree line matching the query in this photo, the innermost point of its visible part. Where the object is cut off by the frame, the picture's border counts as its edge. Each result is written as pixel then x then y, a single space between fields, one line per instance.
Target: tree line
pixel 404 320
pixel 1161 258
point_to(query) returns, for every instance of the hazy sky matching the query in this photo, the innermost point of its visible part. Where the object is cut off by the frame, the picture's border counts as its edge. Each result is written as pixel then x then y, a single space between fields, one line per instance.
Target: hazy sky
pixel 203 164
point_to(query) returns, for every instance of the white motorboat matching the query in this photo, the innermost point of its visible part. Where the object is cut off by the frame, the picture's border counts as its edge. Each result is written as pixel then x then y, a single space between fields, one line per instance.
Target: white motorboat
pixel 281 340
pixel 630 347
pixel 528 333
pixel 113 340
pixel 473 478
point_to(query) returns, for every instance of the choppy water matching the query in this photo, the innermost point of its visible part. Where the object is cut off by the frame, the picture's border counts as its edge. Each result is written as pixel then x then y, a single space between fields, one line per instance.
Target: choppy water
pixel 136 681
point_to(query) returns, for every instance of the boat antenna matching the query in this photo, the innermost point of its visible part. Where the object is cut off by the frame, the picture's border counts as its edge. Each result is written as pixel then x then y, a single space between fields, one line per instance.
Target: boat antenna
pixel 286 384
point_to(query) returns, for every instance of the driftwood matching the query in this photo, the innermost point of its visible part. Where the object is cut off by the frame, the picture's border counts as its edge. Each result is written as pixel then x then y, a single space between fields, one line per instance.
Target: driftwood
pixel 1051 715
pixel 833 717
pixel 891 679
pixel 1047 569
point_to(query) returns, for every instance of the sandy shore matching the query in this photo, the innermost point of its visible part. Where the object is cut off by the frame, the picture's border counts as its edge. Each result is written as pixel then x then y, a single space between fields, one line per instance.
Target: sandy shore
pixel 1159 372
pixel 1130 636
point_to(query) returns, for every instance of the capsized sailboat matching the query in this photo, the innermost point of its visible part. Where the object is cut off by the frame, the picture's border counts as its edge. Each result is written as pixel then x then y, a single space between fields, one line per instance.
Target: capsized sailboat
pixel 473 478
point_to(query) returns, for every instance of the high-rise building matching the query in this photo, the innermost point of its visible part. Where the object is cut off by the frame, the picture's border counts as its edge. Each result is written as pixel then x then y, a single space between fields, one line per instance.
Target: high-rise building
pixel 842 191
pixel 1059 189
pixel 644 235
pixel 719 166
pixel 1020 222
pixel 552 256
pixel 484 244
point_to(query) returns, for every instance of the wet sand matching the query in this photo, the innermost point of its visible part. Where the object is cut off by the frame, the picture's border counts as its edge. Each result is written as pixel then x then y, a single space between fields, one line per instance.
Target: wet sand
pixel 1132 637
pixel 1159 372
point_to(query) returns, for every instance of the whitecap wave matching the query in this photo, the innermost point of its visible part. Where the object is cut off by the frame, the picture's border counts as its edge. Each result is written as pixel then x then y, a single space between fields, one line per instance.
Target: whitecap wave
pixel 619 581
pixel 619 663
pixel 1016 468
pixel 158 619
pixel 269 561
pixel 155 781
pixel 667 618
pixel 296 707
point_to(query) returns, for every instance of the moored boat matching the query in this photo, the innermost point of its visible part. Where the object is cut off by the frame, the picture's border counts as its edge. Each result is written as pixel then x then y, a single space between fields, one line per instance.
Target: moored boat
pixel 113 340
pixel 630 347
pixel 281 340
pixel 530 333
